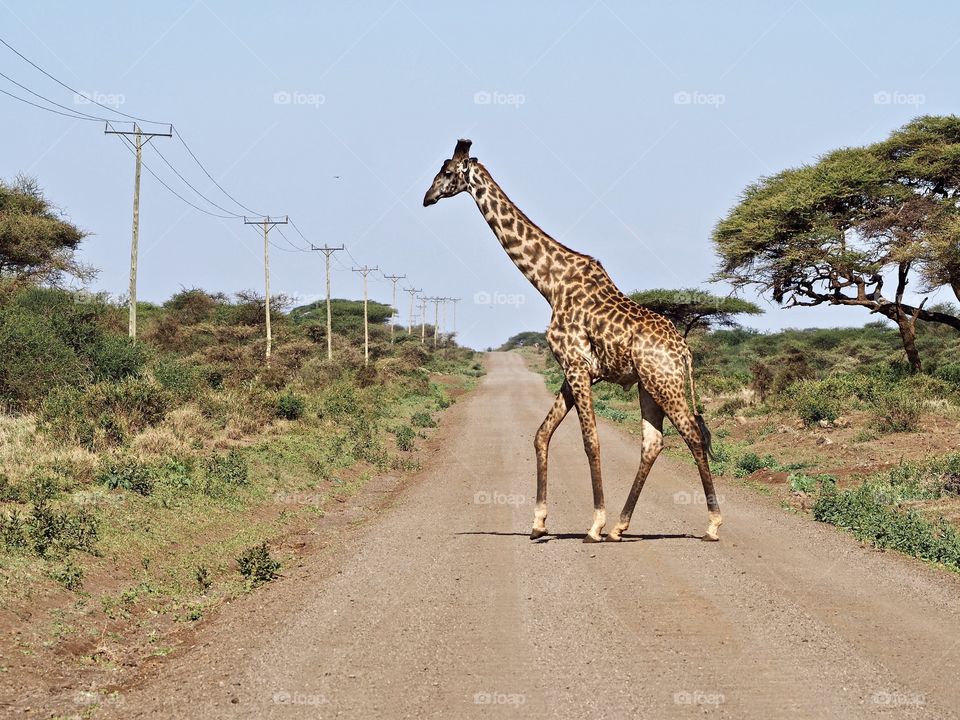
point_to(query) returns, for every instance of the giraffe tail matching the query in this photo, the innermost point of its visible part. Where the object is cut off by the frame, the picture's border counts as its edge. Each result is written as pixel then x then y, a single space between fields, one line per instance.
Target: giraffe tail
pixel 705 434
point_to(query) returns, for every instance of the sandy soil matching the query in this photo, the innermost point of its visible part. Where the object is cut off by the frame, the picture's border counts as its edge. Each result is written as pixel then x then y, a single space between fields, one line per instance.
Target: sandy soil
pixel 440 606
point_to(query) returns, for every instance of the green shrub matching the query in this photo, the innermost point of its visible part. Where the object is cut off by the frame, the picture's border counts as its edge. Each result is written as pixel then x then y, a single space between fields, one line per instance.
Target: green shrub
pixel 257 566
pixel 897 411
pixel 290 406
pixel 801 482
pixel 115 357
pixel 49 530
pixel 103 414
pixel 750 462
pixel 13 530
pixel 813 403
pixel 179 378
pixel 423 419
pixel 405 435
pixel 869 516
pixel 730 406
pixel 125 472
pixel 34 359
pixel 230 469
pixel 950 372
pixel 70 575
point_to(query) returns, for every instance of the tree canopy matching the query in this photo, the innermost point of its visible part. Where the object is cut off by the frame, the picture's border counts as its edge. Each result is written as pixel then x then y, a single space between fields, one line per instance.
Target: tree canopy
pixel 691 309
pixel 839 230
pixel 36 243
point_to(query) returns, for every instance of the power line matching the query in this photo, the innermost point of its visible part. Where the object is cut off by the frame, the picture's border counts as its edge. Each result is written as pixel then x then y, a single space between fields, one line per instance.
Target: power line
pixel 132 148
pixel 197 160
pixel 84 116
pixel 56 112
pixel 189 185
pixel 74 91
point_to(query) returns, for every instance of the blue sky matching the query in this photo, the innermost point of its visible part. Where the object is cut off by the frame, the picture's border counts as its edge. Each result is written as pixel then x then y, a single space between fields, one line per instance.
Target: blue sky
pixel 624 129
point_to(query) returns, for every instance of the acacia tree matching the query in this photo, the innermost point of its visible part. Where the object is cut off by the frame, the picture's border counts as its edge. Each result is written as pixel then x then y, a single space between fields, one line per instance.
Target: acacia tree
pixel 836 232
pixel 691 309
pixel 36 243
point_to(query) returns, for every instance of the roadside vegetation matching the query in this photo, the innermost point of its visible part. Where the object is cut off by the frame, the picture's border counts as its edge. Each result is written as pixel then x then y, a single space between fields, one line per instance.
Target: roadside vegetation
pixel 142 485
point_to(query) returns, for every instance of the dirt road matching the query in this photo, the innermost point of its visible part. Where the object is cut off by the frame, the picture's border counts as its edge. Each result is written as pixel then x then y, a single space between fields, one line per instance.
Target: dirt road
pixel 442 607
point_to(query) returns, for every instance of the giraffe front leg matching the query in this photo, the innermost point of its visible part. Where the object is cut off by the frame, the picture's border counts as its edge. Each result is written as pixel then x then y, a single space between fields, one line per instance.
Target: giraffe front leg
pixel 541 444
pixel 583 398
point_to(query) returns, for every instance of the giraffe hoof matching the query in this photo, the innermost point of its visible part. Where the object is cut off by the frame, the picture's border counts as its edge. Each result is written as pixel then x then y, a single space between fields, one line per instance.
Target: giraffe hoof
pixel 588 538
pixel 710 536
pixel 613 536
pixel 537 533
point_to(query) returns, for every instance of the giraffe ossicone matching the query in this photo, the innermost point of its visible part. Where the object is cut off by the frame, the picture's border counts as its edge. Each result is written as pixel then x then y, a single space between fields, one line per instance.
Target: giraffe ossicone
pixel 596 333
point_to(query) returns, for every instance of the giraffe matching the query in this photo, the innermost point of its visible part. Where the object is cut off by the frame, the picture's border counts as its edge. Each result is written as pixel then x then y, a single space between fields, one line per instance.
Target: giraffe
pixel 596 333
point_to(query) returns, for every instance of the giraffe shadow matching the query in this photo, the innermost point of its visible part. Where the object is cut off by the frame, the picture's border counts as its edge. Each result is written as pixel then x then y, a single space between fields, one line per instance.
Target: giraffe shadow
pixel 627 537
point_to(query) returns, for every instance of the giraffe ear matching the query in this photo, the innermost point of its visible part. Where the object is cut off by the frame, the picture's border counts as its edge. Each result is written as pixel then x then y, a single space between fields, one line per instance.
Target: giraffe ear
pixel 462 150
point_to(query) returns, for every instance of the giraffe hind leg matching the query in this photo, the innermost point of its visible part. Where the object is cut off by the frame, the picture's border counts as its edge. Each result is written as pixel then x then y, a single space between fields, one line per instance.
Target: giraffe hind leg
pixel 541 444
pixel 651 443
pixel 693 431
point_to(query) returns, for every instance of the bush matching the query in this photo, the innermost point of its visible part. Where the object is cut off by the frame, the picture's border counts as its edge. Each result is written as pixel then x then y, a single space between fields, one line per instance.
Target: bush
pixel 897 411
pixel 103 414
pixel 868 515
pixel 290 406
pixel 730 406
pixel 405 435
pixel 115 357
pixel 423 419
pixel 125 472
pixel 257 566
pixel 229 469
pixel 812 403
pixel 178 378
pixel 49 530
pixel 750 462
pixel 70 575
pixel 950 372
pixel 34 359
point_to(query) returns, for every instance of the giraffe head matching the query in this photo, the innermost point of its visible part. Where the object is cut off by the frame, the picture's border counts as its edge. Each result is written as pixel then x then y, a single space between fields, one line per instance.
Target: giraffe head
pixel 454 176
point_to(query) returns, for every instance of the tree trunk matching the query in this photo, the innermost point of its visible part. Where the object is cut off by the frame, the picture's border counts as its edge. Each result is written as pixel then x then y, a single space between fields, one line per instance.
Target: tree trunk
pixel 908 334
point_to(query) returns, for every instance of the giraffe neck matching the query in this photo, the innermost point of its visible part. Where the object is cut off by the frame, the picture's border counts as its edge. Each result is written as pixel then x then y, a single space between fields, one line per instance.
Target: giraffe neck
pixel 539 257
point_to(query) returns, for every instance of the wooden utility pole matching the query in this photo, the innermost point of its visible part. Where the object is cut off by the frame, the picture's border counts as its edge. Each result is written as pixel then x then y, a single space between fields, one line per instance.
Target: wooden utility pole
pixel 412 291
pixel 436 318
pixel 140 138
pixel 393 279
pixel 423 319
pixel 455 301
pixel 268 223
pixel 365 270
pixel 328 251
